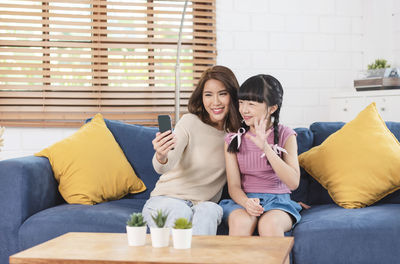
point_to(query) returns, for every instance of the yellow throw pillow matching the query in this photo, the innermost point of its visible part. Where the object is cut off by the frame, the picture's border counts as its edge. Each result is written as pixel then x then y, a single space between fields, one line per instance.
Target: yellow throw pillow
pixel 91 167
pixel 359 164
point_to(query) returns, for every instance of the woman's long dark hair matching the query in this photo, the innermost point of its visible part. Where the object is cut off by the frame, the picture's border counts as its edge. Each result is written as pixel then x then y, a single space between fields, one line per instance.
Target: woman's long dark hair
pixel 228 78
pixel 263 89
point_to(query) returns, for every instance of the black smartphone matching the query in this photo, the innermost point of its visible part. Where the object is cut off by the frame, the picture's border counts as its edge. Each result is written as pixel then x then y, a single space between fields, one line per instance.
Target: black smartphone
pixel 164 123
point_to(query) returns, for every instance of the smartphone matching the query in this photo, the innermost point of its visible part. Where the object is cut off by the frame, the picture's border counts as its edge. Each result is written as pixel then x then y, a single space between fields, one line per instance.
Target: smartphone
pixel 164 123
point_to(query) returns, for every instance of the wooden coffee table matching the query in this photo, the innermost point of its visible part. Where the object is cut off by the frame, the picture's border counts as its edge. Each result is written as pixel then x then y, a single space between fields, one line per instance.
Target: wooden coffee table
pixel 113 248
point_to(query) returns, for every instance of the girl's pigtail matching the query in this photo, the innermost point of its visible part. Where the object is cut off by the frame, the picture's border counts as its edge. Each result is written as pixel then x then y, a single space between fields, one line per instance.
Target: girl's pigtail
pixel 275 124
pixel 233 146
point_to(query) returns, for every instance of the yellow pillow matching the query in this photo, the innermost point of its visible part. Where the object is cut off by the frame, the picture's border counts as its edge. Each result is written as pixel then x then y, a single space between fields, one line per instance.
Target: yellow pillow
pixel 359 164
pixel 91 167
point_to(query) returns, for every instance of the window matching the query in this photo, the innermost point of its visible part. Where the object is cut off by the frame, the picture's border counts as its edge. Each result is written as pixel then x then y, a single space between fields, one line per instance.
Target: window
pixel 62 61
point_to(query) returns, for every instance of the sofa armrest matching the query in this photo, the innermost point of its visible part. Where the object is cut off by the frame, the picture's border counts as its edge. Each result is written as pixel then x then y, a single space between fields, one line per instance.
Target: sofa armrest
pixel 27 186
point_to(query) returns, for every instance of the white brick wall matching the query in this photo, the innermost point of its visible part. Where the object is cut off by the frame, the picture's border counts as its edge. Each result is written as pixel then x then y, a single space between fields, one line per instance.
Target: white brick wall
pixel 396 33
pixel 26 141
pixel 314 47
pixel 379 35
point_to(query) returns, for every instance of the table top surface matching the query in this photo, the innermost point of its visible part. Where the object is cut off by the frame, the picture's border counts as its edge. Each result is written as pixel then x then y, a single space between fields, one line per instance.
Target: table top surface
pixel 113 248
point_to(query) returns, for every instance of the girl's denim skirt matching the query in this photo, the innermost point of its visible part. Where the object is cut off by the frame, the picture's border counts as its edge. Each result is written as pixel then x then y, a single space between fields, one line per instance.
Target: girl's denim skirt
pixel 268 201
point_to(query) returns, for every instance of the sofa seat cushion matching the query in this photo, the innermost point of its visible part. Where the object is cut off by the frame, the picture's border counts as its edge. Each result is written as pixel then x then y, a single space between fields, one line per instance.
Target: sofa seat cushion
pixel 55 221
pixel 331 234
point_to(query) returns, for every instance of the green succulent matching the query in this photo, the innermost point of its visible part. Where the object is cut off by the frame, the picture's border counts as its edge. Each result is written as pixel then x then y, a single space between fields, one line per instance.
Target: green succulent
pixel 378 64
pixel 160 218
pixel 136 219
pixel 182 223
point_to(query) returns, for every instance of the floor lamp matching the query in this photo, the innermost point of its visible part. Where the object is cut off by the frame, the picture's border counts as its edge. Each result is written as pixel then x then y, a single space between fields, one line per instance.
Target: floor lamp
pixel 178 68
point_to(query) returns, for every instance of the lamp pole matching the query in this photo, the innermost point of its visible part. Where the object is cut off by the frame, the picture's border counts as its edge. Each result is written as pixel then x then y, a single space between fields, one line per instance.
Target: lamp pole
pixel 178 68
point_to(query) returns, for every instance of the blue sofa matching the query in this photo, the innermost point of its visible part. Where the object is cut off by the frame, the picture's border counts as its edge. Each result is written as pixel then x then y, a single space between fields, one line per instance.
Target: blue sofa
pixel 32 210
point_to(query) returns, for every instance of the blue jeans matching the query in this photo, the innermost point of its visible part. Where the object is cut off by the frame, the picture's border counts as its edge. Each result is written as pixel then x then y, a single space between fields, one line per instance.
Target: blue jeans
pixel 205 216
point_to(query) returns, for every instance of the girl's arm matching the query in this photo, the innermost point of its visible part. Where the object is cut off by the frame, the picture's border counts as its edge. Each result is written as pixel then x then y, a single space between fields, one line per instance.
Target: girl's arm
pixel 236 192
pixel 287 169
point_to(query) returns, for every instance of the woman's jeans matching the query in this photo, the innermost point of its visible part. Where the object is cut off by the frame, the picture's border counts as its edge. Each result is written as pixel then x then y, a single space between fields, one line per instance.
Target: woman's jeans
pixel 205 216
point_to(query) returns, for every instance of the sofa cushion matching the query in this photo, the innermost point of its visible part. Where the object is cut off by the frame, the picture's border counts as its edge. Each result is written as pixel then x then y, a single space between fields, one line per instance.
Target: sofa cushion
pixel 331 234
pixel 91 167
pixel 135 142
pixel 55 221
pixel 321 130
pixel 359 163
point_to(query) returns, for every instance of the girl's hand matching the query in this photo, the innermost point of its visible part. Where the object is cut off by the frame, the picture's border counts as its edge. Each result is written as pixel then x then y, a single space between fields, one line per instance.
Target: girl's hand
pixel 253 207
pixel 261 134
pixel 304 206
pixel 162 144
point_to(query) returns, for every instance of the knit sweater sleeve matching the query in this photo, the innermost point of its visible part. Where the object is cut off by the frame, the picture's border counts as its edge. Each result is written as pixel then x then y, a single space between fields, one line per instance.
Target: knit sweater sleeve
pixel 182 138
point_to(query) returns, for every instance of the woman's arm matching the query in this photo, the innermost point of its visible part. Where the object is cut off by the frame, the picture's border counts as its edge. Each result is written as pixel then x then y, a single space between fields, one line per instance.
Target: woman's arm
pixel 236 192
pixel 162 144
pixel 165 157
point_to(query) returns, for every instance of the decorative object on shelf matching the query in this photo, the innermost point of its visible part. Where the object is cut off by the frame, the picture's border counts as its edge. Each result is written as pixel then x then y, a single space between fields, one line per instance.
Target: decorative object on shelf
pixel 136 230
pixel 182 233
pixel 379 76
pixel 393 73
pixel 1 137
pixel 160 234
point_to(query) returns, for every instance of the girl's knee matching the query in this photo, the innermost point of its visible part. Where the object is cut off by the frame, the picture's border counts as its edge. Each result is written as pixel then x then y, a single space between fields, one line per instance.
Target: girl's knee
pixel 240 221
pixel 241 225
pixel 274 225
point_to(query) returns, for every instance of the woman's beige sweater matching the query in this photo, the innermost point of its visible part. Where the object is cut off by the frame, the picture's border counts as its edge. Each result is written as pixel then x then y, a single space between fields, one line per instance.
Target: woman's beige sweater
pixel 195 169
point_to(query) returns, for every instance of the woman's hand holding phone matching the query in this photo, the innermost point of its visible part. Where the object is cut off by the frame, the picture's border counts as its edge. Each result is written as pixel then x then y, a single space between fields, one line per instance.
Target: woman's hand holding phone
pixel 162 144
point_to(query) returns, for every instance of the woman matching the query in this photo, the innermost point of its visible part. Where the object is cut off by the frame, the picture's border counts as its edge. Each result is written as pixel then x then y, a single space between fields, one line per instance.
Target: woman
pixel 191 160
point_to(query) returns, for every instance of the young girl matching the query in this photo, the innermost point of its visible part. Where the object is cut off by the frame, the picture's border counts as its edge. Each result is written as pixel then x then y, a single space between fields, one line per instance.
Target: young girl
pixel 261 164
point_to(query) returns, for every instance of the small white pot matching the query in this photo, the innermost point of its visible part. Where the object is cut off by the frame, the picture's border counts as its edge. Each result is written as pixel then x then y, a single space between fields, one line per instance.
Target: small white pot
pixel 136 235
pixel 182 238
pixel 159 236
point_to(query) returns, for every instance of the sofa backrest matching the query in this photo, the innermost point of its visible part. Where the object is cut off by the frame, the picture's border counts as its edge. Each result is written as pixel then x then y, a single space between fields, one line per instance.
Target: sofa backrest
pixel 135 142
pixel 305 139
pixel 316 194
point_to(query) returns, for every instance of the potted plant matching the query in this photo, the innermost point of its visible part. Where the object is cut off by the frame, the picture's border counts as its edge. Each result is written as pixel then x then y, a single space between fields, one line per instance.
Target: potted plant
pixel 377 68
pixel 182 233
pixel 136 230
pixel 160 234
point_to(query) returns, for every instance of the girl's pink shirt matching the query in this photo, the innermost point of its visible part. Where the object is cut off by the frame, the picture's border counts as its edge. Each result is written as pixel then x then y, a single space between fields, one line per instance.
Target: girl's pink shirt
pixel 257 175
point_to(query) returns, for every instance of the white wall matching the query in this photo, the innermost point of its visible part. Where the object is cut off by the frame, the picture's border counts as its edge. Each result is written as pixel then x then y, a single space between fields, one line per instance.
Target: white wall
pixel 314 47
pixel 396 33
pixel 26 141
pixel 379 32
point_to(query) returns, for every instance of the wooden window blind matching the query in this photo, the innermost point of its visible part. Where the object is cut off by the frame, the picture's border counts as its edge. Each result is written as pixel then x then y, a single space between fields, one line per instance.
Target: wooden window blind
pixel 62 61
